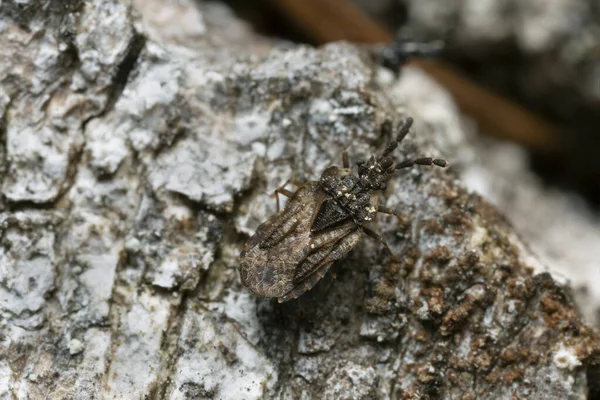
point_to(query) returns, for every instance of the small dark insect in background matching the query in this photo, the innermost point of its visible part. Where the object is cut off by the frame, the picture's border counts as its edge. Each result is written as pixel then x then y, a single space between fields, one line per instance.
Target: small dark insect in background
pixel 322 221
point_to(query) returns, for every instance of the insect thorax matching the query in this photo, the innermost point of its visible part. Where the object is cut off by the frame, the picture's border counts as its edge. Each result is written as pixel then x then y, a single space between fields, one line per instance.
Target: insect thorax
pixel 348 198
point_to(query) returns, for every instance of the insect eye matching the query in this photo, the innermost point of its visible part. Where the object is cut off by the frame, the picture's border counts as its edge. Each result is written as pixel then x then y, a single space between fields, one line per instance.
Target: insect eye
pixel 383 186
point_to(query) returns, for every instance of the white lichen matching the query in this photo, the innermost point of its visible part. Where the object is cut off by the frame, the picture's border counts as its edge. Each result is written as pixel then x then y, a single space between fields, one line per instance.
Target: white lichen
pixel 76 346
pixel 566 358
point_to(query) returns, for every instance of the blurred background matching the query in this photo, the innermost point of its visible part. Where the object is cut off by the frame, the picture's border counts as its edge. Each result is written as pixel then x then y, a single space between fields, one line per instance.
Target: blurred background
pixel 526 77
pixel 532 67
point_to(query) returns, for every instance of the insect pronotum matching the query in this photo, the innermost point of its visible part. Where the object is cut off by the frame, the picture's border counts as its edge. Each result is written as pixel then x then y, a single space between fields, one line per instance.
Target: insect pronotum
pixel 321 222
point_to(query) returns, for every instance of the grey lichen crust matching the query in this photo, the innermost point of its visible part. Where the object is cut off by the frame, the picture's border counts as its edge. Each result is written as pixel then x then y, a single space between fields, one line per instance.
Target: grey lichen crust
pixel 139 149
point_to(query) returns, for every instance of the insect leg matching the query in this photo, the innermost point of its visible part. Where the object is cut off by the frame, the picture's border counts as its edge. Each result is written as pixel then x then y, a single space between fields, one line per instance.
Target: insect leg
pixel 389 211
pixel 293 181
pixel 345 161
pixel 381 240
pixel 285 192
pixel 282 190
pixel 423 161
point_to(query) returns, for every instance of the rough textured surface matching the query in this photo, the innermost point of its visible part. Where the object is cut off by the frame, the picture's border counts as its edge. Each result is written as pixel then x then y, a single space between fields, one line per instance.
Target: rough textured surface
pixel 499 171
pixel 551 44
pixel 544 54
pixel 567 242
pixel 138 154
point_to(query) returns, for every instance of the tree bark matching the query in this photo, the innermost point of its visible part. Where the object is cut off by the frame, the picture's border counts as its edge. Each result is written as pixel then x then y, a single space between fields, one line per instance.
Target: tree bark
pixel 140 143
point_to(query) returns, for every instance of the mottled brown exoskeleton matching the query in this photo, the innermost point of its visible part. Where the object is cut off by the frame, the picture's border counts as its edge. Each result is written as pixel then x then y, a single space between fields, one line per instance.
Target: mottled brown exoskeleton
pixel 321 222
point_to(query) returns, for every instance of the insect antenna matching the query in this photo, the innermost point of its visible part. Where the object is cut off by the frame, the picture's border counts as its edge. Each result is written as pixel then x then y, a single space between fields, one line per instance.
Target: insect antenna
pixel 404 129
pixel 423 161
pixel 375 172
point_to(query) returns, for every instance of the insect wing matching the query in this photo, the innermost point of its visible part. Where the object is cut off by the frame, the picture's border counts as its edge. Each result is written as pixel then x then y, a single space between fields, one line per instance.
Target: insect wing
pixel 326 247
pixel 285 258
pixel 271 256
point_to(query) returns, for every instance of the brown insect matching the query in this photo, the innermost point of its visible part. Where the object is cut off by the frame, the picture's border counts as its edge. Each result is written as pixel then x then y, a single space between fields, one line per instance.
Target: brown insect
pixel 321 222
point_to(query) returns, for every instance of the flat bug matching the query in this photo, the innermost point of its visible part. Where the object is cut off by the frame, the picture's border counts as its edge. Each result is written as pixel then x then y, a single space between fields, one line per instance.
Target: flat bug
pixel 321 222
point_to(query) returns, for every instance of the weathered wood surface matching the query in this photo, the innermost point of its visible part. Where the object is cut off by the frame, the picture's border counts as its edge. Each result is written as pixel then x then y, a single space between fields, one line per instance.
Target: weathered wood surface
pixel 139 144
